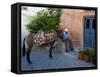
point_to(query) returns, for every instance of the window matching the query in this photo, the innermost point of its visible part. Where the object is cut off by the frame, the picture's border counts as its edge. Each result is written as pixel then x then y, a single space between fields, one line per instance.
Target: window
pixel 90 22
pixel 87 23
pixel 94 24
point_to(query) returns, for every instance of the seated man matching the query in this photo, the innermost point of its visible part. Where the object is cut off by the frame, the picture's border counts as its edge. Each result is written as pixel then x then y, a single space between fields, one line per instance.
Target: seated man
pixel 67 40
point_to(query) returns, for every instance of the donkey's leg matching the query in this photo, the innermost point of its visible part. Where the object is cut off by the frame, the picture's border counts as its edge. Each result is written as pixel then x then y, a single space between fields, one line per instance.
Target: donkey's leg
pixel 24 47
pixel 51 47
pixel 28 55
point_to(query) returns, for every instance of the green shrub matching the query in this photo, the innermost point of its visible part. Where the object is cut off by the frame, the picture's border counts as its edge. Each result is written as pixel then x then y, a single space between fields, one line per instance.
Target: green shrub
pixel 90 52
pixel 45 20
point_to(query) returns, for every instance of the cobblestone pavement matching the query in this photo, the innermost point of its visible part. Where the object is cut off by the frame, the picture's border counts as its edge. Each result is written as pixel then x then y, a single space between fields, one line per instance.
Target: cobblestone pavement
pixel 40 59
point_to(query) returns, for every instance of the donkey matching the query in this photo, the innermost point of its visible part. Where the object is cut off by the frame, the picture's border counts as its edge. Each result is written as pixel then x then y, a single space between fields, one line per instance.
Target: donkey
pixel 37 39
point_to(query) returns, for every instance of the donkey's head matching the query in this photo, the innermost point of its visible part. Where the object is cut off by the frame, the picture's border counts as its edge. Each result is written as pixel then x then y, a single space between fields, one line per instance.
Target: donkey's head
pixel 60 34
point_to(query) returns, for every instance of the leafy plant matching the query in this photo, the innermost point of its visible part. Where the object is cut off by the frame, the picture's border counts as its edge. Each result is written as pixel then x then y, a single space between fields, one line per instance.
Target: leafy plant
pixel 45 20
pixel 90 52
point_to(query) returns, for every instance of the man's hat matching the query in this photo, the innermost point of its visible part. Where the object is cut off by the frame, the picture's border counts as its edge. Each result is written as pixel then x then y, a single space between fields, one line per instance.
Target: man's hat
pixel 66 30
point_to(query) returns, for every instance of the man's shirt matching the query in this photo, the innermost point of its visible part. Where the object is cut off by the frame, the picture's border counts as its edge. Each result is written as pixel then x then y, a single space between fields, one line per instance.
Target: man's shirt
pixel 66 36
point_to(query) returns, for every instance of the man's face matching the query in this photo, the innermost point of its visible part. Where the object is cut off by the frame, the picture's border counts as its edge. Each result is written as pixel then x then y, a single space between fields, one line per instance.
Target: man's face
pixel 66 32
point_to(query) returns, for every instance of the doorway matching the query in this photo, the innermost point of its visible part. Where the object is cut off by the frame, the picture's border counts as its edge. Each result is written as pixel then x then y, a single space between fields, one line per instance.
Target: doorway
pixel 89 32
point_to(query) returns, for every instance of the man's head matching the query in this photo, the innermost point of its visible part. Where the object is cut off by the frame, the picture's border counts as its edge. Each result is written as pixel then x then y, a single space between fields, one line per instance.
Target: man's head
pixel 65 30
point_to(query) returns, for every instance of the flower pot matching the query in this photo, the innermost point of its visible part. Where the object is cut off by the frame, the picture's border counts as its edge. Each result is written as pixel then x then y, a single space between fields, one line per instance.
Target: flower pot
pixel 86 58
pixel 81 56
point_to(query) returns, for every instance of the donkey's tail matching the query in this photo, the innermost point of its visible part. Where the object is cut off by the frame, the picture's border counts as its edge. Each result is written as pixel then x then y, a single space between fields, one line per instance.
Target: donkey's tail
pixel 24 47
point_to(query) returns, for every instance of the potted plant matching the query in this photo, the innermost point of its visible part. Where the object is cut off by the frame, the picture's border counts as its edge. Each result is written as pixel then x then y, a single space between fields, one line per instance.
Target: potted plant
pixel 87 55
pixel 92 56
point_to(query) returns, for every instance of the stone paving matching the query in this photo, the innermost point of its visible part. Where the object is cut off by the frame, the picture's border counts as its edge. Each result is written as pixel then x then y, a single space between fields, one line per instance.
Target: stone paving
pixel 61 59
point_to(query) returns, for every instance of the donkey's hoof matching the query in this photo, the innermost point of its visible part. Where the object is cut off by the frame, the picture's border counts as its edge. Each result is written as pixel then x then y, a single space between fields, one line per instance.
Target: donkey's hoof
pixel 50 56
pixel 29 62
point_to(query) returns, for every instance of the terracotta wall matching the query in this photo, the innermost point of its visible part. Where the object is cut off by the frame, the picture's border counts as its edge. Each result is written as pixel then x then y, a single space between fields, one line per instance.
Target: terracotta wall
pixel 73 20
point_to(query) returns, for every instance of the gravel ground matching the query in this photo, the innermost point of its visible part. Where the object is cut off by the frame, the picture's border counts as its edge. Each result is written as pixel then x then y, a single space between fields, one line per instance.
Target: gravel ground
pixel 61 59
